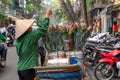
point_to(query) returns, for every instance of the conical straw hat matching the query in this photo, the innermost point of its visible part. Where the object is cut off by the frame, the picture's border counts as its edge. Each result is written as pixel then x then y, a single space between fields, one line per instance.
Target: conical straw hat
pixel 22 26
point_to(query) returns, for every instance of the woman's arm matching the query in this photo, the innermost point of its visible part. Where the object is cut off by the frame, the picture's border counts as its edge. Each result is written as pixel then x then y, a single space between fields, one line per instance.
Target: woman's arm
pixel 2 37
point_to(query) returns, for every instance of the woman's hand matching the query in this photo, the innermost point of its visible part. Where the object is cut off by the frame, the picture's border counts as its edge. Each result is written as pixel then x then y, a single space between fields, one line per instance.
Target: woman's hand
pixel 48 13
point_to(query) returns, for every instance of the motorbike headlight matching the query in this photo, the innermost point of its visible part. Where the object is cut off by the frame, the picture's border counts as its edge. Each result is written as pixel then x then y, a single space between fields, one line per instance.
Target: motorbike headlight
pixel 8 38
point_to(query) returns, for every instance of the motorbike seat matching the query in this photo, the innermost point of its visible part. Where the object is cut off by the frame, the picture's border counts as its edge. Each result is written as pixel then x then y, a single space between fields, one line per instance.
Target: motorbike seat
pixel 105 48
pixel 91 44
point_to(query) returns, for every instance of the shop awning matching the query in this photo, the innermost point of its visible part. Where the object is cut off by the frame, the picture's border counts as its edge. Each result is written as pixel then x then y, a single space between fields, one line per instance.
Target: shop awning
pixel 104 11
pixel 98 7
pixel 115 7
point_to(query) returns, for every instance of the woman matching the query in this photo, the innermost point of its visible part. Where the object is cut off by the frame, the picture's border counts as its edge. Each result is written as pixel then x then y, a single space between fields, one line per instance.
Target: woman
pixel 27 45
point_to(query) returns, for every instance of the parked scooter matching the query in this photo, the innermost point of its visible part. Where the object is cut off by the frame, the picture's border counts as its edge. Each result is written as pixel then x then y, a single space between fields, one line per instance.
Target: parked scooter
pixel 106 69
pixel 92 52
pixel 89 47
pixel 117 35
pixel 11 30
pixel 98 37
pixel 9 40
pixel 92 42
pixel 109 46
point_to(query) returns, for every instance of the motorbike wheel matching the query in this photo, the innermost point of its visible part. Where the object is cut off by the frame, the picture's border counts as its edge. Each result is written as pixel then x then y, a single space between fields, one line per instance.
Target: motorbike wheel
pixel 103 71
pixel 10 44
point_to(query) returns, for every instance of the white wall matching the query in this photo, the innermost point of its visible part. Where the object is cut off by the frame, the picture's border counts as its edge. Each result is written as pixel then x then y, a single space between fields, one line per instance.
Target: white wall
pixel 104 22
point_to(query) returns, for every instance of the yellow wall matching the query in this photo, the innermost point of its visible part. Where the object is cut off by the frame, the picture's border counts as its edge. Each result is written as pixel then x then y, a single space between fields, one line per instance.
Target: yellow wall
pixel 116 2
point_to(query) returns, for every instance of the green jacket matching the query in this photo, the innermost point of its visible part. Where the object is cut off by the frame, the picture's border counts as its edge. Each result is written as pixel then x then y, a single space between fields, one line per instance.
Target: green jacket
pixel 2 37
pixel 27 47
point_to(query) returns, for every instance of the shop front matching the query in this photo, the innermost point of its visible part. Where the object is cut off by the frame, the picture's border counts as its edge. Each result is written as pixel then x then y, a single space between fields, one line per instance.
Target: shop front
pixel 118 21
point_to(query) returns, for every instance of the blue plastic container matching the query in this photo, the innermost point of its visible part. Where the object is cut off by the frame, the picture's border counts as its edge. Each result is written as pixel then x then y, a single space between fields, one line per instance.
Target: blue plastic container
pixel 75 75
pixel 73 60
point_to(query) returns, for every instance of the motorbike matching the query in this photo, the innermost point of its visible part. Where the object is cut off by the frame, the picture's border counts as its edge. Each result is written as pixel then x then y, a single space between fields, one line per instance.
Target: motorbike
pixel 9 40
pixel 3 55
pixel 106 68
pixel 92 51
pixel 11 30
pixel 92 42
pixel 117 35
pixel 96 38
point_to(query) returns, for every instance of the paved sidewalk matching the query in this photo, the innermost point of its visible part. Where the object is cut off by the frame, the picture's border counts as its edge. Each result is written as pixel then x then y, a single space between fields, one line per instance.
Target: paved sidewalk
pixel 90 74
pixel 87 75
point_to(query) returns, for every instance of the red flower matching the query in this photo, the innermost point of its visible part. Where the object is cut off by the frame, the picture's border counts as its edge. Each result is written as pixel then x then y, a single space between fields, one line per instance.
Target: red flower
pixel 89 28
pixel 52 28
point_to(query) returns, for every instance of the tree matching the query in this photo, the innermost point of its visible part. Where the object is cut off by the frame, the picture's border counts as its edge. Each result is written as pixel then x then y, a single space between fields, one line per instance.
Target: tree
pixel 4 4
pixel 72 15
pixel 70 8
pixel 85 12
pixel 89 4
pixel 33 8
pixel 56 3
pixel 59 13
pixel 67 10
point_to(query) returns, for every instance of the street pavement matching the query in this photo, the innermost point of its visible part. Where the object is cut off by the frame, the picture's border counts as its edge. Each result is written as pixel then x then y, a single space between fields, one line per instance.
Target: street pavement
pixel 10 71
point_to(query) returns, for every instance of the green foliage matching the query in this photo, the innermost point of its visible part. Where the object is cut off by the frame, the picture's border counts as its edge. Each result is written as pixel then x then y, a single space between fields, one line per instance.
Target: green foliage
pixel 40 7
pixel 33 7
pixel 41 19
pixel 2 17
pixel 4 3
pixel 60 15
pixel 3 9
pixel 30 7
pixel 90 3
pixel 56 36
pixel 64 18
pixel 7 1
pixel 56 3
